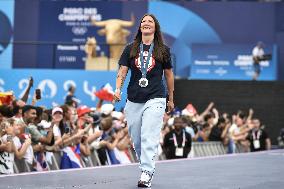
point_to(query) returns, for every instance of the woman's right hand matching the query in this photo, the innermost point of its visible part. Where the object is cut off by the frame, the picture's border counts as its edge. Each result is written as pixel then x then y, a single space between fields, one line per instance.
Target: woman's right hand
pixel 117 95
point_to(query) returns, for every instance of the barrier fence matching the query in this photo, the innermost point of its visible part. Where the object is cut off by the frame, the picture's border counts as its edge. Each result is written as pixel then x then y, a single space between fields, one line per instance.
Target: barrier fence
pixel 53 159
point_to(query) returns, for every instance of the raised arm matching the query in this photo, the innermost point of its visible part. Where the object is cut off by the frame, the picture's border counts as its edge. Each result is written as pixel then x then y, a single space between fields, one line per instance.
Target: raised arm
pixel 250 115
pixel 216 114
pixel 209 107
pixel 26 94
pixel 21 152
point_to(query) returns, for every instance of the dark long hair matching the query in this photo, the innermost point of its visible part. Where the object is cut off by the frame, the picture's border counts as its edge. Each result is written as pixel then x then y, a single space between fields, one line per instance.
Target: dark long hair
pixel 160 52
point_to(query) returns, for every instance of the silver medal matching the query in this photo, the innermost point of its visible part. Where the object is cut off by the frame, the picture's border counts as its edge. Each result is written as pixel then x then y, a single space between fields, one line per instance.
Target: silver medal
pixel 143 82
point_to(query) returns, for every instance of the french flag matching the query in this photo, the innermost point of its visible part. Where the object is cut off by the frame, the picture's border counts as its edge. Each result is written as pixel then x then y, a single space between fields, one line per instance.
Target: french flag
pixel 40 162
pixel 71 157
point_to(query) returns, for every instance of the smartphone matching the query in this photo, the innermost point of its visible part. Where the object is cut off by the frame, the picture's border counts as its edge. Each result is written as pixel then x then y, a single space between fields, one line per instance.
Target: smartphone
pixel 84 138
pixel 9 138
pixel 31 83
pixel 38 94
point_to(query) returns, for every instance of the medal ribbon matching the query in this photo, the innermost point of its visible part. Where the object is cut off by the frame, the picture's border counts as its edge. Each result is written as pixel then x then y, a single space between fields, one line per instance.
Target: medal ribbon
pixel 145 66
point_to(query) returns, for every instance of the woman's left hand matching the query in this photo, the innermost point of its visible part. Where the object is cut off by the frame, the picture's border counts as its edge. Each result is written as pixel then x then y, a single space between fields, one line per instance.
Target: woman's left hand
pixel 171 106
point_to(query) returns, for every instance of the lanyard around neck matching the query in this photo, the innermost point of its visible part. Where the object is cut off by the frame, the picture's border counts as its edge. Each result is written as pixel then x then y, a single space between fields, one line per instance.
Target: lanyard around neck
pixel 145 66
pixel 256 135
pixel 183 139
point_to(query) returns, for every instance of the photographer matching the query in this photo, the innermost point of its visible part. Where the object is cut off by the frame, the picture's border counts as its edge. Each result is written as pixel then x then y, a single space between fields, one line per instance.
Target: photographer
pixel 257 55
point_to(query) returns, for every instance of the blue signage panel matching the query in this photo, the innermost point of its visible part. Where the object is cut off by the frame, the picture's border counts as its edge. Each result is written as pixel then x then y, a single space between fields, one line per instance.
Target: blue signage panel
pixel 65 26
pixel 71 26
pixel 6 33
pixel 54 84
pixel 230 62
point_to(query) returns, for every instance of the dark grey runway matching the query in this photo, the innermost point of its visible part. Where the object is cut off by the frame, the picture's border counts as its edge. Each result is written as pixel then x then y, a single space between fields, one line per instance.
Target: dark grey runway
pixel 241 171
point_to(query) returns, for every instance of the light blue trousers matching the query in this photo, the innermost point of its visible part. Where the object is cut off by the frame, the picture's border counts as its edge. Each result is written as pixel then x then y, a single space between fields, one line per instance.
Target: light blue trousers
pixel 145 121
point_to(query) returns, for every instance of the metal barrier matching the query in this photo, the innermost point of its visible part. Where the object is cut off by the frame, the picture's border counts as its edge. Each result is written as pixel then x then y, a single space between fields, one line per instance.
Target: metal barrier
pixel 21 166
pixel 199 149
pixel 202 149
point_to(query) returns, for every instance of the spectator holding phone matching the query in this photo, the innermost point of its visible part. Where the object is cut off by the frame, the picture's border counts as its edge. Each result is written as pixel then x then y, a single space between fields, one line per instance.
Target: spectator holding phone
pixel 13 146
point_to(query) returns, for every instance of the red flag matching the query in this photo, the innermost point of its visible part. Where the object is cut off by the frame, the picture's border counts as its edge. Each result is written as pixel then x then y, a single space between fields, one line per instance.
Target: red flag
pixel 106 93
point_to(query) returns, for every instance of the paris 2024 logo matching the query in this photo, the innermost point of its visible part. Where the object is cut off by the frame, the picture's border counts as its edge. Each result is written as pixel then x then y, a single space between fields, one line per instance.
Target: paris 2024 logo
pixel 5 32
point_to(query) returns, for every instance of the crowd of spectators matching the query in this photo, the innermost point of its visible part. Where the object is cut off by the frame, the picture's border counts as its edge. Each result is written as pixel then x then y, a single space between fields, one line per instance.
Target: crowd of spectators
pixel 32 134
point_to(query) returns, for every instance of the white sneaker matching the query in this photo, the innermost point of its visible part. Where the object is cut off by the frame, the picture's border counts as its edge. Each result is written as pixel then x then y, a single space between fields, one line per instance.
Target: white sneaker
pixel 145 180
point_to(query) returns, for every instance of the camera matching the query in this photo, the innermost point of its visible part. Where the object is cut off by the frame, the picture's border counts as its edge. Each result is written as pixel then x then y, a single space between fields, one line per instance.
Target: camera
pixel 265 57
pixel 40 127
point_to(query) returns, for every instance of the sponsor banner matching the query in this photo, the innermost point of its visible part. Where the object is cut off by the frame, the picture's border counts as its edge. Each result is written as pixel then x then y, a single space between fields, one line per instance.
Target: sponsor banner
pixel 230 62
pixel 54 85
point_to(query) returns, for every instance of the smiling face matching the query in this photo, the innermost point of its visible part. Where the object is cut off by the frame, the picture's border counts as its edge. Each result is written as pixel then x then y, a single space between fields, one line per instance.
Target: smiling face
pixel 30 116
pixel 147 25
pixel 178 123
pixel 57 116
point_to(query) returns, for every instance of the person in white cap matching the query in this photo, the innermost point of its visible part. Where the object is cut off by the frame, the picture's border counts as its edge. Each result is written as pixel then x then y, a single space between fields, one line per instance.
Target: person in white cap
pixel 107 109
